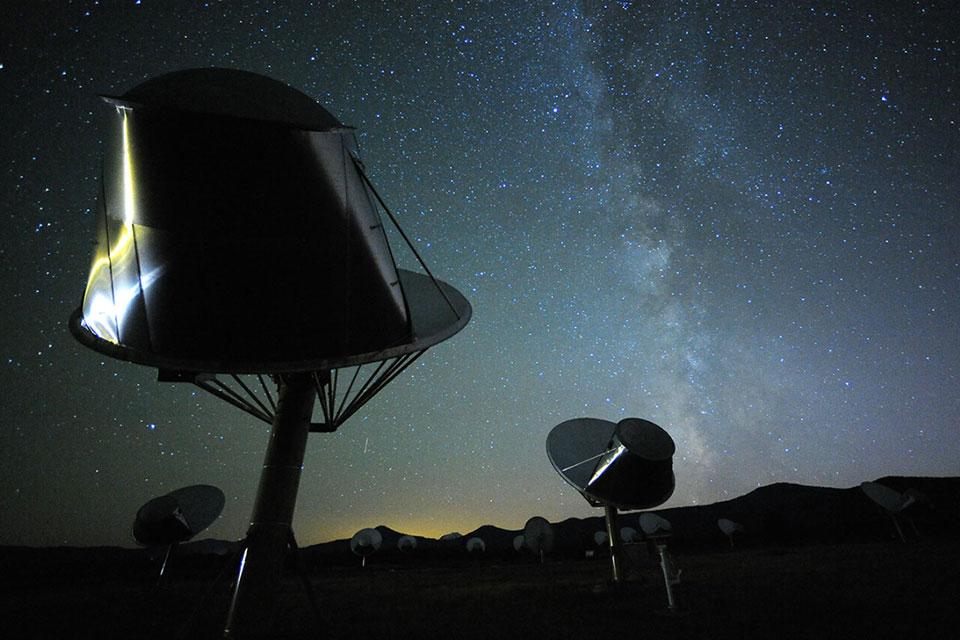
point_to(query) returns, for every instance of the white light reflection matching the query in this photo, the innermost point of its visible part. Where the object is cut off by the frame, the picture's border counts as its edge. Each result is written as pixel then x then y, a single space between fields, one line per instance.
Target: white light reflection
pixel 107 302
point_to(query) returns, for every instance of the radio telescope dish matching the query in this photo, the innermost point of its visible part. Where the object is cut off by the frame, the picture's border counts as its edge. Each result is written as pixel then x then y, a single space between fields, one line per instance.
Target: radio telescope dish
pixel 629 535
pixel 365 543
pixel 178 516
pixel 729 527
pixel 894 502
pixel 538 536
pixel 239 234
pixel 476 545
pixel 406 543
pixel 654 525
pixel 600 538
pixel 519 542
pixel 627 465
pixel 891 500
pixel 450 537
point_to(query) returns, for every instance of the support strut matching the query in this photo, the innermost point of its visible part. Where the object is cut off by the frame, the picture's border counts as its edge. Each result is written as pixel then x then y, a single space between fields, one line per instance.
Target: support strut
pixel 613 538
pixel 270 525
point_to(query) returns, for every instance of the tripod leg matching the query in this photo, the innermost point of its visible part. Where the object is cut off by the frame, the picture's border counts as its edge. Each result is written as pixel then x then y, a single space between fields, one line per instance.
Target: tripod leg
pixel 166 559
pixel 305 580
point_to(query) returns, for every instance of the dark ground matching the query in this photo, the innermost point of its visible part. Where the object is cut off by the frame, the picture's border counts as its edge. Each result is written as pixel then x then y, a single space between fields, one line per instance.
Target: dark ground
pixel 857 590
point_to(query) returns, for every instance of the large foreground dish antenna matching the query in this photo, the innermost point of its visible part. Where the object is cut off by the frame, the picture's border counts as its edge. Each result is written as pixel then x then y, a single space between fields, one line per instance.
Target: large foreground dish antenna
pixel 624 465
pixel 238 233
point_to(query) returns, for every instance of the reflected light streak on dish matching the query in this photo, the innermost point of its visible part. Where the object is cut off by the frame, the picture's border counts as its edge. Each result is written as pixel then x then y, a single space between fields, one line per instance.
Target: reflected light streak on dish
pixel 107 305
pixel 128 190
pixel 599 472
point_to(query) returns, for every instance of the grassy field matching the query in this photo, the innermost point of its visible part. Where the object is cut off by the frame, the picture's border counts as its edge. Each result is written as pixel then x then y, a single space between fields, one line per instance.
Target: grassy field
pixel 854 591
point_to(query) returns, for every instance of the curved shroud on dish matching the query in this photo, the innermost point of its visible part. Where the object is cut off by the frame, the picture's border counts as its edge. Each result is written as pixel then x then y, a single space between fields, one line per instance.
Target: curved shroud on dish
pixel 628 465
pixel 233 234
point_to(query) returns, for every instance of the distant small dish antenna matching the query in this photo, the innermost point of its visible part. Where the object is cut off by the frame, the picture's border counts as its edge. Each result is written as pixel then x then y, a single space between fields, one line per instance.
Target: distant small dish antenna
pixel 406 543
pixel 538 536
pixel 518 543
pixel 629 535
pixel 624 465
pixel 729 528
pixel 894 503
pixel 654 525
pixel 890 499
pixel 450 537
pixel 600 538
pixel 176 517
pixel 365 543
pixel 476 545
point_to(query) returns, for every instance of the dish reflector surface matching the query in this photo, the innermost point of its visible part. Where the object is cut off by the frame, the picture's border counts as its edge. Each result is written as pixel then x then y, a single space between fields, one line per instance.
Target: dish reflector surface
pixel 538 535
pixel 476 545
pixel 729 527
pixel 178 515
pixel 891 500
pixel 628 534
pixel 365 542
pixel 236 237
pixel 628 465
pixel 654 524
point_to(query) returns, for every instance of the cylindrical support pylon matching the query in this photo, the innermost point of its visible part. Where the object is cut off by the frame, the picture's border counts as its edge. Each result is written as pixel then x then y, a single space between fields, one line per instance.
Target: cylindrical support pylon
pixel 268 536
pixel 613 538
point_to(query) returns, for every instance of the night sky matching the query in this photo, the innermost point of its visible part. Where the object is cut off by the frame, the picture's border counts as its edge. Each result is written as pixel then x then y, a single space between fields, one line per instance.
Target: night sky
pixel 738 220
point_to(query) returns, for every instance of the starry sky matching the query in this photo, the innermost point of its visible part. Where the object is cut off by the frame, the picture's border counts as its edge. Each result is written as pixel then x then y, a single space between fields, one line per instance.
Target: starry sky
pixel 736 219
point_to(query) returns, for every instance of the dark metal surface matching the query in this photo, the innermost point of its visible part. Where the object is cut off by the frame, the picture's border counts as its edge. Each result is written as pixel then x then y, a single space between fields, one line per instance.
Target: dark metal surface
pixel 433 322
pixel 538 535
pixel 628 465
pixel 365 542
pixel 270 531
pixel 178 515
pixel 218 218
pixel 229 93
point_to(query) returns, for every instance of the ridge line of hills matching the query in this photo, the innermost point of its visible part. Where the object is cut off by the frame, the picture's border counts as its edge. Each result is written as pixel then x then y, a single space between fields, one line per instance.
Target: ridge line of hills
pixel 776 514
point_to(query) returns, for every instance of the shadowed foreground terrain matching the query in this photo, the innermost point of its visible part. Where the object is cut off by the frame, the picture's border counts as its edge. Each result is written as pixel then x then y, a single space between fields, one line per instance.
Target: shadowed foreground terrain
pixel 870 589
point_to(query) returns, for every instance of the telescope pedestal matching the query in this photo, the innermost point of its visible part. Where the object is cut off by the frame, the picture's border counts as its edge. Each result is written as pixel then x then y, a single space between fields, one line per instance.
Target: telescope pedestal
pixel 613 538
pixel 270 525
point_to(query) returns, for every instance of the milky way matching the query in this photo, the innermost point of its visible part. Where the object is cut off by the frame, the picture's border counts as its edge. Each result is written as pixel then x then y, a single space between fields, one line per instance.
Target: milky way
pixel 738 220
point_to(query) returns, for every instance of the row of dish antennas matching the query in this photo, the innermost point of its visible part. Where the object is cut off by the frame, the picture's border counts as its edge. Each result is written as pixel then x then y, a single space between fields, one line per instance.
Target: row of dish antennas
pixel 537 537
pixel 656 527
